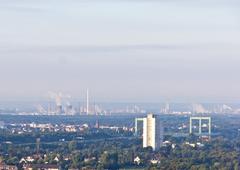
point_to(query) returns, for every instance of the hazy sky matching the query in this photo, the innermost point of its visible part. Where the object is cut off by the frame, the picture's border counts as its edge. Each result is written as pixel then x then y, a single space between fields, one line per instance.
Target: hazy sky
pixel 122 50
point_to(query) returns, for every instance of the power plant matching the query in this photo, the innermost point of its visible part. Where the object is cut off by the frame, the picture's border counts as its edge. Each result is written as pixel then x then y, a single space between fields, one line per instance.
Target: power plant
pixel 60 104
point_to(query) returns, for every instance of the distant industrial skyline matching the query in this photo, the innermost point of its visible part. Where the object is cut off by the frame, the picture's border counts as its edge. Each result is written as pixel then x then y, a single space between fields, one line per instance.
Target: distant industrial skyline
pixel 123 51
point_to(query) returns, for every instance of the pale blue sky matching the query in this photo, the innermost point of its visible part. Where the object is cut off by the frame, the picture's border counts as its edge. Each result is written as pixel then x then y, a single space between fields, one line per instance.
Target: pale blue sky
pixel 122 50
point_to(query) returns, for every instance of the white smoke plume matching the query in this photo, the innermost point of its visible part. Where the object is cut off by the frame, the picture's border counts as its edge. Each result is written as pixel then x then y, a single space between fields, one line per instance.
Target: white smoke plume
pixel 57 97
pixel 60 98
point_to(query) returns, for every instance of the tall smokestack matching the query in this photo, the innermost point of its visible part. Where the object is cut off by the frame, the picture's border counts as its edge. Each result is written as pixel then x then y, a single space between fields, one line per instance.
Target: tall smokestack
pixel 87 103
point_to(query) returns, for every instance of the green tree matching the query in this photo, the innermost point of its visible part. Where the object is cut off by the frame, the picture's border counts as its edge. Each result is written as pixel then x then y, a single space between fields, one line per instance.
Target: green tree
pixel 72 145
pixel 109 160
